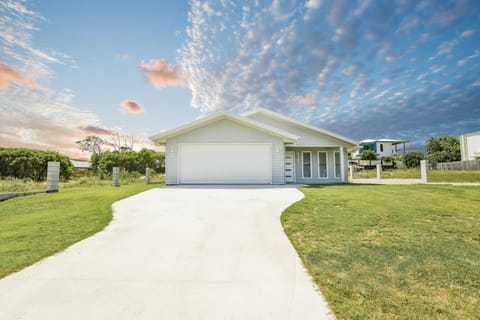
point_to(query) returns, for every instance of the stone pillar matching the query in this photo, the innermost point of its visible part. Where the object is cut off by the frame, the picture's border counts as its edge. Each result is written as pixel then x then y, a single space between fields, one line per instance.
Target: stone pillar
pixel 53 176
pixel 424 170
pixel 379 171
pixel 147 175
pixel 350 172
pixel 116 177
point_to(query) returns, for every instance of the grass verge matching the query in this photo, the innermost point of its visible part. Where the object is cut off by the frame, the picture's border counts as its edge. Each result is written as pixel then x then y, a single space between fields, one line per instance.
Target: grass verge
pixel 38 226
pixel 391 252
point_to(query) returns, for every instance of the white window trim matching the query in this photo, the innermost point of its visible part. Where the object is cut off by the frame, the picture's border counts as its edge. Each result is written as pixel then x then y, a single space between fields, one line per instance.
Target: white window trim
pixel 326 163
pixel 335 166
pixel 311 167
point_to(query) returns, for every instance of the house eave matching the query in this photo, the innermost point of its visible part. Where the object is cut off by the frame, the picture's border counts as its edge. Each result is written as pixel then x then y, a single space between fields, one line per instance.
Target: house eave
pixel 162 138
pixel 349 142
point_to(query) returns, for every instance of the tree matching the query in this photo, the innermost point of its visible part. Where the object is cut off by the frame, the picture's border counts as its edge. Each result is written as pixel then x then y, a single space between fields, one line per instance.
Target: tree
pixel 368 155
pixel 151 159
pixel 92 144
pixel 443 149
pixel 121 142
pixel 412 159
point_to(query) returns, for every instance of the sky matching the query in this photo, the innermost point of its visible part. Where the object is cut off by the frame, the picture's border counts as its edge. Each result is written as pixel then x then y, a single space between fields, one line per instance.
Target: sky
pixel 364 69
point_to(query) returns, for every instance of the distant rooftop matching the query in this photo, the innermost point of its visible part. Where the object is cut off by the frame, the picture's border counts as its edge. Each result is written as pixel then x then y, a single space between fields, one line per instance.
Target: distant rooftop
pixel 392 141
pixel 81 164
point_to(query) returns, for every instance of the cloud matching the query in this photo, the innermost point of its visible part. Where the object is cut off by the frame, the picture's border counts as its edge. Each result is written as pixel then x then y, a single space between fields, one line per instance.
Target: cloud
pixel 313 4
pixel 301 100
pixel 97 131
pixel 9 74
pixel 161 74
pixel 362 68
pixel 467 33
pixel 131 106
pixel 45 118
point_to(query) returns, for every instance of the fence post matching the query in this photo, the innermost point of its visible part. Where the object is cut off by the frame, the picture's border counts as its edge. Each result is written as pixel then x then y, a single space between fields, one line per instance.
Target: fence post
pixel 53 176
pixel 115 177
pixel 379 171
pixel 350 172
pixel 147 175
pixel 424 170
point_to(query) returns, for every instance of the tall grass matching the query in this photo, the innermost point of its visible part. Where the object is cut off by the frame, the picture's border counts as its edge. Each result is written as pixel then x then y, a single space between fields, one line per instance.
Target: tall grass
pixel 20 185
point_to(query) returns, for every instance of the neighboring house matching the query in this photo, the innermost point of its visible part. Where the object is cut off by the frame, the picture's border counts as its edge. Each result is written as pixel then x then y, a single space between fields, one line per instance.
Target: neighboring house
pixel 470 146
pixel 81 165
pixel 382 147
pixel 259 147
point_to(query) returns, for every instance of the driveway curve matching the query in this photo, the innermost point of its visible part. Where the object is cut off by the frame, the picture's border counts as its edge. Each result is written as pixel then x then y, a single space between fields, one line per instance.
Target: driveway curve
pixel 175 253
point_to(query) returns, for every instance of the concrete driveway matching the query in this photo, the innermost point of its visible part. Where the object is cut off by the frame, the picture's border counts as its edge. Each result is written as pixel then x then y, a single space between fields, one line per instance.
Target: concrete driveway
pixel 175 253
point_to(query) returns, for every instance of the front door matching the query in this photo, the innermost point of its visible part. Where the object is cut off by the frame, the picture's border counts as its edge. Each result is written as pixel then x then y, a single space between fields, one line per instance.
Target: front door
pixel 289 166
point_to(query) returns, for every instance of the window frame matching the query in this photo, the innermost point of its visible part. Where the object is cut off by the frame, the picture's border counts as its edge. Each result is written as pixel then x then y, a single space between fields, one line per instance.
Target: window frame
pixel 326 164
pixel 339 176
pixel 303 165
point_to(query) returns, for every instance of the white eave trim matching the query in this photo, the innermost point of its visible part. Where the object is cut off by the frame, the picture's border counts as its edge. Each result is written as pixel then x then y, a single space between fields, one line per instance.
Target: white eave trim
pixel 162 137
pixel 305 125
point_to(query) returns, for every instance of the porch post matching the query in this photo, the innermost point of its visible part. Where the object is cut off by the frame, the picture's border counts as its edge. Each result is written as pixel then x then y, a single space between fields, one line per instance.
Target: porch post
pixel 342 165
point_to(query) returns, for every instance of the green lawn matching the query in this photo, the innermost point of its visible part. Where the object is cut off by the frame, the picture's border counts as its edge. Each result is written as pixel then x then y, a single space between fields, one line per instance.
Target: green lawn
pixel 435 175
pixel 391 252
pixel 38 226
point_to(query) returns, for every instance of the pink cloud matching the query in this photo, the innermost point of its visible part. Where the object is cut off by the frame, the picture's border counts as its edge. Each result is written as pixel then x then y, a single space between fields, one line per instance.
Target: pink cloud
pixel 308 99
pixel 131 106
pixel 8 74
pixel 161 74
pixel 96 130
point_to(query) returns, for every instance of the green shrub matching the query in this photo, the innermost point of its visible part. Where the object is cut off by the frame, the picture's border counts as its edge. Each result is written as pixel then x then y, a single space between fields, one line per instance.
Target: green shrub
pixel 32 164
pixel 412 159
pixel 129 161
pixel 368 155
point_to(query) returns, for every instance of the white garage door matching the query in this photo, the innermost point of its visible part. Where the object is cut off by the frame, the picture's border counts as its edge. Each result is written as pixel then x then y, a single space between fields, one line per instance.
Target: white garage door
pixel 224 163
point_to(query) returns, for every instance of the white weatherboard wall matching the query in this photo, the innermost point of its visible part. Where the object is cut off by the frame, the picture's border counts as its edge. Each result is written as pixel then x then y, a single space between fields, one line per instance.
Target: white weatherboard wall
pixel 387 149
pixel 470 146
pixel 224 131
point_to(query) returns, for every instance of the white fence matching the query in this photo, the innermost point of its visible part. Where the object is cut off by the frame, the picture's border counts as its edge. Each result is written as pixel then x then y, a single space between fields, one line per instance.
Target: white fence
pixel 459 165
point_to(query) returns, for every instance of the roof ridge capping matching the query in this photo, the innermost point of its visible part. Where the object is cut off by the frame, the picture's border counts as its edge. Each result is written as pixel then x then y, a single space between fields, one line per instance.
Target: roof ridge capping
pixel 161 137
pixel 300 123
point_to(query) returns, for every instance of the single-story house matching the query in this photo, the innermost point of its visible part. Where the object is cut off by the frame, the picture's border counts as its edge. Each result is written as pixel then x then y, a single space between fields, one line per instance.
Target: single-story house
pixel 382 147
pixel 470 146
pixel 258 147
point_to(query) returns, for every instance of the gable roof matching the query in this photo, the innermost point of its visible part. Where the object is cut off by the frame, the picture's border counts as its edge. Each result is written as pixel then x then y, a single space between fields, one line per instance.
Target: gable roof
pixel 163 136
pixel 299 123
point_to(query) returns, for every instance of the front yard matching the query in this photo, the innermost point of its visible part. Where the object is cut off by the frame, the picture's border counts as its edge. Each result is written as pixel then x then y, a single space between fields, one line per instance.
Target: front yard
pixel 391 252
pixel 38 226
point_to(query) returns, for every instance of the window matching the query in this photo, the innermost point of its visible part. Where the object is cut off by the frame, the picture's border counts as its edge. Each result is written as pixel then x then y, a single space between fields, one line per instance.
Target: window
pixel 307 164
pixel 337 164
pixel 322 164
pixel 381 147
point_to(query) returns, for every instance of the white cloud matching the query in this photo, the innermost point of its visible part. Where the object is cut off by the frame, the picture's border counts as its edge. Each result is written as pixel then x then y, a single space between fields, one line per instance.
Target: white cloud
pixel 354 58
pixel 467 33
pixel 37 116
